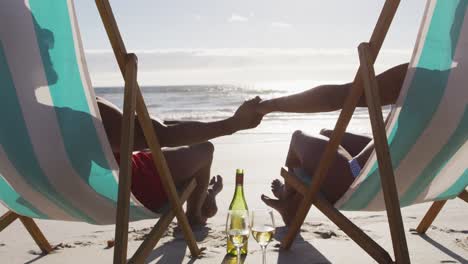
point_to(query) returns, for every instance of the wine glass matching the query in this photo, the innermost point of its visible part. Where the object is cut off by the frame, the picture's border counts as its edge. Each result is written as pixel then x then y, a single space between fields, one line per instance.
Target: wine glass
pixel 237 229
pixel 263 228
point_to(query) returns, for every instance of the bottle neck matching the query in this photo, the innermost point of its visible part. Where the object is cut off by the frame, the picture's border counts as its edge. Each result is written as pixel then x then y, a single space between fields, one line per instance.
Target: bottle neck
pixel 239 192
pixel 239 180
pixel 238 201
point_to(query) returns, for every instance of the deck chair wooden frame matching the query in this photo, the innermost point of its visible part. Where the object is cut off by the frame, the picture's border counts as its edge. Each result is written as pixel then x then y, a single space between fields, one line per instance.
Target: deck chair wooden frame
pixel 433 211
pixel 364 82
pixel 10 216
pixel 133 104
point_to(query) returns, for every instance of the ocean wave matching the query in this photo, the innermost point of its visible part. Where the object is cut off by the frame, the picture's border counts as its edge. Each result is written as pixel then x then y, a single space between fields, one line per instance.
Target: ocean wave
pixel 216 102
pixel 188 89
pixel 178 115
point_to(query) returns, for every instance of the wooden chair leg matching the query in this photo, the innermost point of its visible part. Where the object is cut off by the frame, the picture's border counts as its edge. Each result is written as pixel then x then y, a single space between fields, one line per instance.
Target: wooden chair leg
pixel 152 239
pixel 464 196
pixel 36 234
pixel 10 216
pixel 387 177
pixel 354 232
pixel 430 216
pixel 156 233
pixel 6 219
pixel 434 211
pixel 125 174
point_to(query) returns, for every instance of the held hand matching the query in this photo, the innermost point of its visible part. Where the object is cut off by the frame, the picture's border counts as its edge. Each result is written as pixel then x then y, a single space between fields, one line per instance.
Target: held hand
pixel 246 116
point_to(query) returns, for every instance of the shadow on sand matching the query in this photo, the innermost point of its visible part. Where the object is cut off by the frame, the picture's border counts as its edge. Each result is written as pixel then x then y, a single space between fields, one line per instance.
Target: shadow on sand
pixel 301 252
pixel 174 251
pixel 439 246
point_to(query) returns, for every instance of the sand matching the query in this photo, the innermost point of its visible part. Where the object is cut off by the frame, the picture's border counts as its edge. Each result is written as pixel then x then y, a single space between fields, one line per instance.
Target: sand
pixel 319 242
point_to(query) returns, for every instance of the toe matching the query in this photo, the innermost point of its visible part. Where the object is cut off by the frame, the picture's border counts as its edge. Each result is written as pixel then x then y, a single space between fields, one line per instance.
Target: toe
pixel 277 188
pixel 212 181
pixel 217 184
pixel 219 179
pixel 277 183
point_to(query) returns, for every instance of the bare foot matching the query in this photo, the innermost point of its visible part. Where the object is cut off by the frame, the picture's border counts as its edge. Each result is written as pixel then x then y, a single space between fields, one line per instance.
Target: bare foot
pixel 209 207
pixel 216 185
pixel 277 188
pixel 286 208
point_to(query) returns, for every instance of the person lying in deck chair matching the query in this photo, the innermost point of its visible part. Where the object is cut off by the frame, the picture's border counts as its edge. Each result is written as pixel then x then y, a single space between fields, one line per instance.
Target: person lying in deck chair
pixel 190 155
pixel 185 162
pixel 305 151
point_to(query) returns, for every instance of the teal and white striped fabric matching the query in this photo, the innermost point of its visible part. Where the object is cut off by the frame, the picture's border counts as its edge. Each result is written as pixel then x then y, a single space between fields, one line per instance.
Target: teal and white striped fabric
pixel 55 159
pixel 428 127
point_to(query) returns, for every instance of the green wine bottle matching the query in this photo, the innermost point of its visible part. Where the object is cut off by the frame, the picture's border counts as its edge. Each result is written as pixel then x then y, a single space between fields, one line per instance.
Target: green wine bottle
pixel 238 203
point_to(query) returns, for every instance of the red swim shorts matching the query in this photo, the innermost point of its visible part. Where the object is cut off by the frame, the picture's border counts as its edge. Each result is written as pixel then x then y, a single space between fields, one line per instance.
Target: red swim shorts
pixel 146 183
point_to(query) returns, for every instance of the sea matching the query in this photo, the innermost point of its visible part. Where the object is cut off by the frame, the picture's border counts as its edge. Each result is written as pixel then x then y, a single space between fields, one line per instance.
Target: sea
pixel 207 103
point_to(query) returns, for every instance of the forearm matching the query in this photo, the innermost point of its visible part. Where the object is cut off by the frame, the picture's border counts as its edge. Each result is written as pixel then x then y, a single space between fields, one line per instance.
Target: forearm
pixel 326 98
pixel 187 133
pixel 323 98
pixel 184 133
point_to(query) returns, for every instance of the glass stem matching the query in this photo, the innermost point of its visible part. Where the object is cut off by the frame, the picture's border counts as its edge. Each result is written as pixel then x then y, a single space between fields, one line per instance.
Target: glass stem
pixel 238 255
pixel 263 254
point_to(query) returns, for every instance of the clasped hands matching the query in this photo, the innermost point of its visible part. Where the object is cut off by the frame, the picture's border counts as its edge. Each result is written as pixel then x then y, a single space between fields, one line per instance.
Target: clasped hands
pixel 249 114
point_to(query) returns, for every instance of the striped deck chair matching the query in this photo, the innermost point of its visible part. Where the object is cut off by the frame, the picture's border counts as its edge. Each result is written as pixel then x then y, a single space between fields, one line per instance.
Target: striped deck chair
pixel 421 154
pixel 55 159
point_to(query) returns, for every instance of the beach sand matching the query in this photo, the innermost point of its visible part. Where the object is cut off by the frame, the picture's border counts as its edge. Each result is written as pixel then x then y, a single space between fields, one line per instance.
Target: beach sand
pixel 320 240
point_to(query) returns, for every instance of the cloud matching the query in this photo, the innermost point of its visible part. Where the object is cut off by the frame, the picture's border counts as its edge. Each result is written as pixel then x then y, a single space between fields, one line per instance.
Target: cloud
pixel 237 18
pixel 280 24
pixel 228 65
pixel 197 17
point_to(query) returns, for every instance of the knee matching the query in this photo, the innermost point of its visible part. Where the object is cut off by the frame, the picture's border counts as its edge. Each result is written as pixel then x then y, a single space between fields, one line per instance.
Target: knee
pixel 296 135
pixel 207 148
pixel 307 146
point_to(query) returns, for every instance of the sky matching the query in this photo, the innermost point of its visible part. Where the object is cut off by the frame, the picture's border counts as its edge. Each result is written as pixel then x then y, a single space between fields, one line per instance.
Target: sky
pixel 255 42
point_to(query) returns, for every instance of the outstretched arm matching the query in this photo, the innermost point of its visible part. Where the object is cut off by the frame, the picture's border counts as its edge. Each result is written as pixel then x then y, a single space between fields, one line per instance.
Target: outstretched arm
pixel 187 133
pixel 184 133
pixel 326 98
